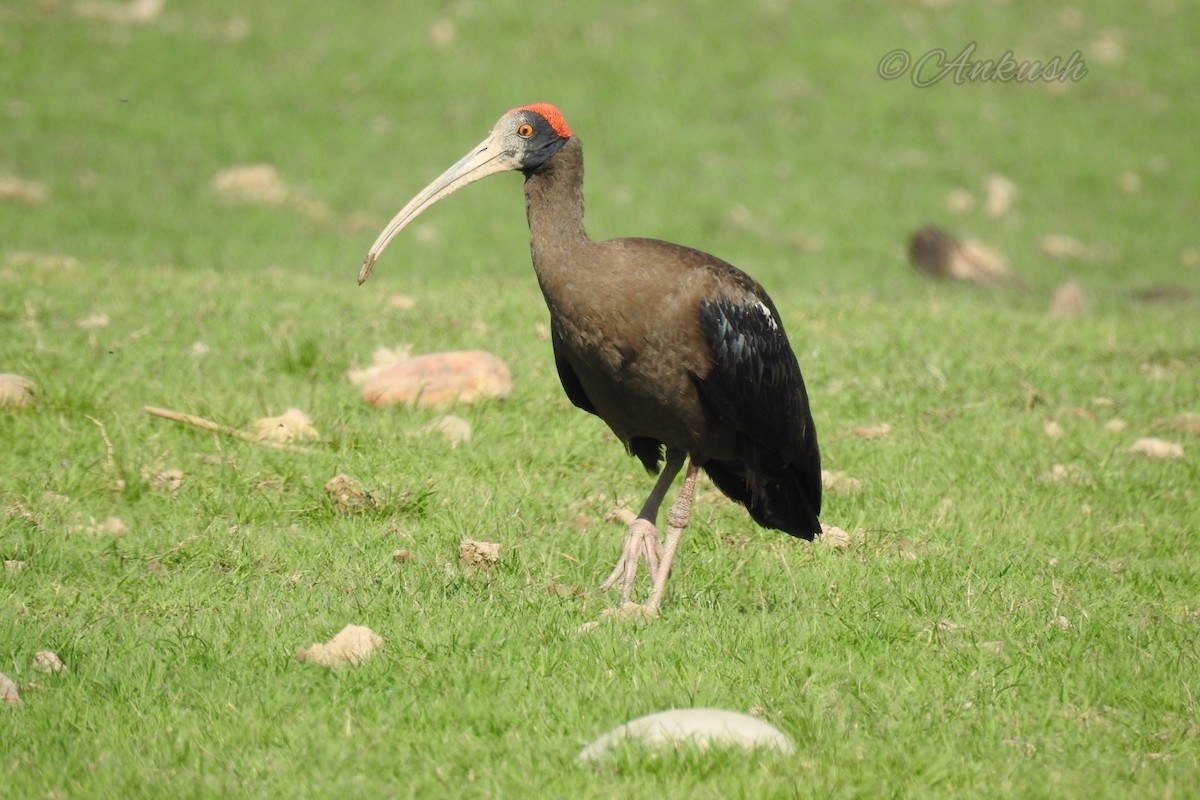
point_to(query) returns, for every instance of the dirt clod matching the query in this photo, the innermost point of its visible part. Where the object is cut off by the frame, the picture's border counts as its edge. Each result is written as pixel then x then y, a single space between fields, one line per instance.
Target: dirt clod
pixel 353 645
pixel 349 497
pixel 478 554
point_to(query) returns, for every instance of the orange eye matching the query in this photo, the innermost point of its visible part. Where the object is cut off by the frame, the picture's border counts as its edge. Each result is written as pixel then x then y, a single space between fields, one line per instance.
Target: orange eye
pixel 525 131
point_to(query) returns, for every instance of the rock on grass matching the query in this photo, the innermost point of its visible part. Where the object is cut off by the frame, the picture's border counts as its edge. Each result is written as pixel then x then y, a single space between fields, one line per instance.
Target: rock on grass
pixel 1068 301
pixel 1156 448
pixel 353 645
pixel 292 425
pixel 478 554
pixel 455 430
pixel 1187 422
pixel 834 537
pixel 438 379
pixel 48 662
pixel 8 690
pixel 22 190
pixel 16 391
pixel 349 496
pixel 839 482
pixel 938 254
pixel 698 727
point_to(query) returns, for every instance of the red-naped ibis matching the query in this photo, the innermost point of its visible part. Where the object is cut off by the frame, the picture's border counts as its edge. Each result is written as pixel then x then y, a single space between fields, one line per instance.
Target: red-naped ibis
pixel 683 355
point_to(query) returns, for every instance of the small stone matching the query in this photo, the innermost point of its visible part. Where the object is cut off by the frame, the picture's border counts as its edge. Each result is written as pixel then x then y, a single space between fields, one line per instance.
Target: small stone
pixel 16 391
pixel 292 425
pixel 1060 245
pixel 1068 301
pixel 839 482
pixel 1156 448
pixel 1130 182
pixel 349 497
pixel 702 728
pixel 1061 473
pixel 937 254
pixel 1107 48
pixel 22 191
pixel 167 480
pixel 960 201
pixel 1000 194
pixel 834 537
pixel 402 302
pixel 871 431
pixel 48 662
pixel 478 554
pixel 8 690
pixel 110 526
pixel 401 556
pixel 455 430
pixel 441 32
pixel 621 516
pixel 1187 422
pixel 93 321
pixel 251 183
pixel 132 12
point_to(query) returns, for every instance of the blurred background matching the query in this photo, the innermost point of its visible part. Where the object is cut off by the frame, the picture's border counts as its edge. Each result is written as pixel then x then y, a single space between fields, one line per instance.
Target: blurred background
pixel 243 136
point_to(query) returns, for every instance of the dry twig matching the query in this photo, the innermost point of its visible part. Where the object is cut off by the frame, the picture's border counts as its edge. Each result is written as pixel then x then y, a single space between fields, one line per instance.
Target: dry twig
pixel 217 427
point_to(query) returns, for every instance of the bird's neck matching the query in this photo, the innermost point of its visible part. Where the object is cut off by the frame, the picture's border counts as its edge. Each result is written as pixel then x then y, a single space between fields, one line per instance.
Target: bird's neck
pixel 554 206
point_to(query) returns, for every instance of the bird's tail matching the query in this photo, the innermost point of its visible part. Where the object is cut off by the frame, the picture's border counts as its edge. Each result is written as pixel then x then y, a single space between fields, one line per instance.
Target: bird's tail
pixel 783 498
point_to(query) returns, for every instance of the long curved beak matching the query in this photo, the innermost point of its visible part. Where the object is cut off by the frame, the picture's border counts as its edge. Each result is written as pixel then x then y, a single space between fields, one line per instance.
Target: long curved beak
pixel 488 158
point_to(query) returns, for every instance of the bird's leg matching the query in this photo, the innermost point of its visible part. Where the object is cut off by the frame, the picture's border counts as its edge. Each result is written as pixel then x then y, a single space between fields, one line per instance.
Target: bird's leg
pixel 642 537
pixel 677 519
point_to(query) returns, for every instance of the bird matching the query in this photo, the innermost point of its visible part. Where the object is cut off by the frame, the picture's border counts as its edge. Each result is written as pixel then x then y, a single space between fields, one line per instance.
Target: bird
pixel 680 353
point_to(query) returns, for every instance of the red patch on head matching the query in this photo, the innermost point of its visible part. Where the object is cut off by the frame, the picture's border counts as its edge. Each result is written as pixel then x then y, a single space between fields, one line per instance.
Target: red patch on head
pixel 551 115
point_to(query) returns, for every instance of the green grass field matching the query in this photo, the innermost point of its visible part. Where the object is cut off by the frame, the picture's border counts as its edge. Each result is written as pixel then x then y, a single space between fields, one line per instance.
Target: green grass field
pixel 991 630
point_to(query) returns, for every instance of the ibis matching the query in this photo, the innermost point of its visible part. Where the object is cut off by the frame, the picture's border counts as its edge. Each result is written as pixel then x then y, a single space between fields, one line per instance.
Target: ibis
pixel 682 355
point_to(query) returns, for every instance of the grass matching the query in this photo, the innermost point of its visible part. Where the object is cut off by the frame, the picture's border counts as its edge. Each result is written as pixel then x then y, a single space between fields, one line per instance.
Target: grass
pixel 989 633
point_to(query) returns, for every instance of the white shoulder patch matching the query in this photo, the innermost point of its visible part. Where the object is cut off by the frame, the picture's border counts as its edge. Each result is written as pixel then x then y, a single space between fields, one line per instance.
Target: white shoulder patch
pixel 766 312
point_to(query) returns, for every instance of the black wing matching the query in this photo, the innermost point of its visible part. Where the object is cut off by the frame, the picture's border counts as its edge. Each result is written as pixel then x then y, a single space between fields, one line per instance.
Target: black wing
pixel 755 388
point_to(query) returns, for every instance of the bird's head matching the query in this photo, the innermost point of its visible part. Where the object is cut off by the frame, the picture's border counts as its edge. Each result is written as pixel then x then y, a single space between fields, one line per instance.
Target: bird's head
pixel 523 139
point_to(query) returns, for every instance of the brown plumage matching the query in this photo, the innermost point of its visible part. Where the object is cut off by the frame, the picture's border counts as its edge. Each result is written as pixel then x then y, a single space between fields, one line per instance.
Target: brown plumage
pixel 680 353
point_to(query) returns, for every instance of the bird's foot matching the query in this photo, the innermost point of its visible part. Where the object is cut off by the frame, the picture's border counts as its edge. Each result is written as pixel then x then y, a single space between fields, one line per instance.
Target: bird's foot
pixel 641 540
